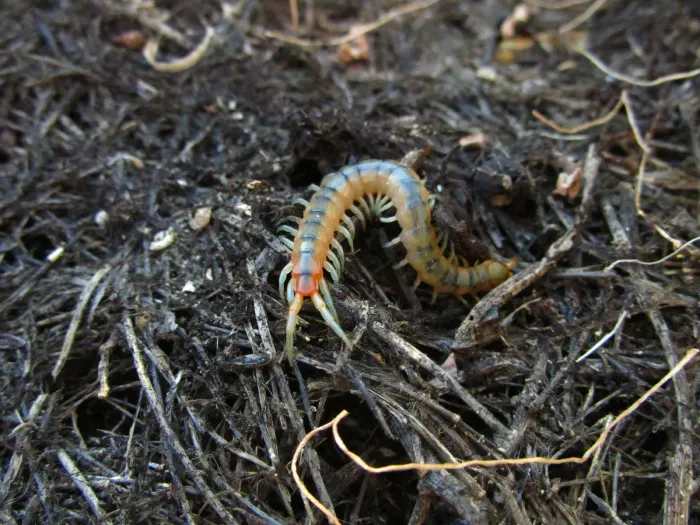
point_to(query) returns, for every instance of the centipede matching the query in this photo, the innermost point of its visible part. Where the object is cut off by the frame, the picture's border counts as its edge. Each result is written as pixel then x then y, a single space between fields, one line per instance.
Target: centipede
pixel 367 191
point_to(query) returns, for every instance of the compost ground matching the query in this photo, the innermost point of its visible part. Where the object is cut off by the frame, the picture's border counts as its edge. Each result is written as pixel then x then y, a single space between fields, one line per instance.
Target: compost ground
pixel 147 152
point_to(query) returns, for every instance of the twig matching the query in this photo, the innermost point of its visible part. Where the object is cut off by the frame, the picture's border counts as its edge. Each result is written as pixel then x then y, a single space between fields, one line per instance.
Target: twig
pixel 294 10
pixel 168 434
pixel 77 315
pixel 356 31
pixel 565 4
pixel 82 484
pixel 585 126
pixel 150 51
pixel 105 351
pixel 606 337
pixel 652 263
pixel 633 122
pixel 634 81
pixel 580 19
pixel 426 467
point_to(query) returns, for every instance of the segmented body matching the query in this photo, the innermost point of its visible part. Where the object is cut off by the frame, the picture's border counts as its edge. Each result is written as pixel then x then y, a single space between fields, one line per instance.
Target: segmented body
pixel 376 186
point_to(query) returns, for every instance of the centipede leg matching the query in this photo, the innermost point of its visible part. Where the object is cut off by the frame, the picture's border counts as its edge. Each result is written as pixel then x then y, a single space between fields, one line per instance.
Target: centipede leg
pixel 335 261
pixel 392 242
pixel 314 187
pixel 287 228
pixel 290 218
pixel 301 201
pixel 416 284
pixel 388 219
pixel 290 290
pixel 434 297
pixel 400 264
pixel 344 231
pixel 347 221
pixel 323 286
pixel 322 307
pixel 287 242
pixel 331 270
pixel 294 308
pixel 360 215
pixel 283 277
pixel 339 252
pixel 366 207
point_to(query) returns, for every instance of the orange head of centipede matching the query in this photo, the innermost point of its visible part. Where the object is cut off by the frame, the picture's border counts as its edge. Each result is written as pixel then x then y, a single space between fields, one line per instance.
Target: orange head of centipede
pixel 306 284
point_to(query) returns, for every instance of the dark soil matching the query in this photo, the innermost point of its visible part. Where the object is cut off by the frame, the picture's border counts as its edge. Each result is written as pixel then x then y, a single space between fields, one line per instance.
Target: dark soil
pixel 152 386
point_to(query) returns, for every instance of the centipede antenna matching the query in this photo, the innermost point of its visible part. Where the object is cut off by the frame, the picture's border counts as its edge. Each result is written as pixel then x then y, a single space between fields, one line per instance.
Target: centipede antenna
pixel 283 277
pixel 360 215
pixel 287 228
pixel 328 317
pixel 301 201
pixel 392 242
pixel 400 264
pixel 344 231
pixel 323 286
pixel 388 219
pixel 294 308
pixel 339 252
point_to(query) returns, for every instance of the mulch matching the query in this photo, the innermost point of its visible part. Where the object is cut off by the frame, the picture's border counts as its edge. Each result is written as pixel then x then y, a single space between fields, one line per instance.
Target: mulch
pixel 143 377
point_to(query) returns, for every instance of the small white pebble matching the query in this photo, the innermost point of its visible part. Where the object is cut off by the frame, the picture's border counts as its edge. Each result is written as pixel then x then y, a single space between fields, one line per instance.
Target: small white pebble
pixel 201 218
pixel 189 287
pixel 101 218
pixel 181 182
pixel 487 73
pixel 162 240
pixel 237 115
pixel 243 208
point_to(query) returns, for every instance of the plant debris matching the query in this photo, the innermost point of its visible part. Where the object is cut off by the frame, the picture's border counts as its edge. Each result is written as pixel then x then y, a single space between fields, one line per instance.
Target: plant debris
pixel 142 371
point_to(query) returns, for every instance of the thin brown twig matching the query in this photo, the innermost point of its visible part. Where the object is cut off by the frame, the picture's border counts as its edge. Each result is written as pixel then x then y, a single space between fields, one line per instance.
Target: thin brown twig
pixel 295 472
pixel 294 10
pixel 580 19
pixel 355 31
pixel 425 467
pixel 633 122
pixel 90 287
pixel 554 6
pixel 631 80
pixel 150 51
pixel 652 263
pixel 586 125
